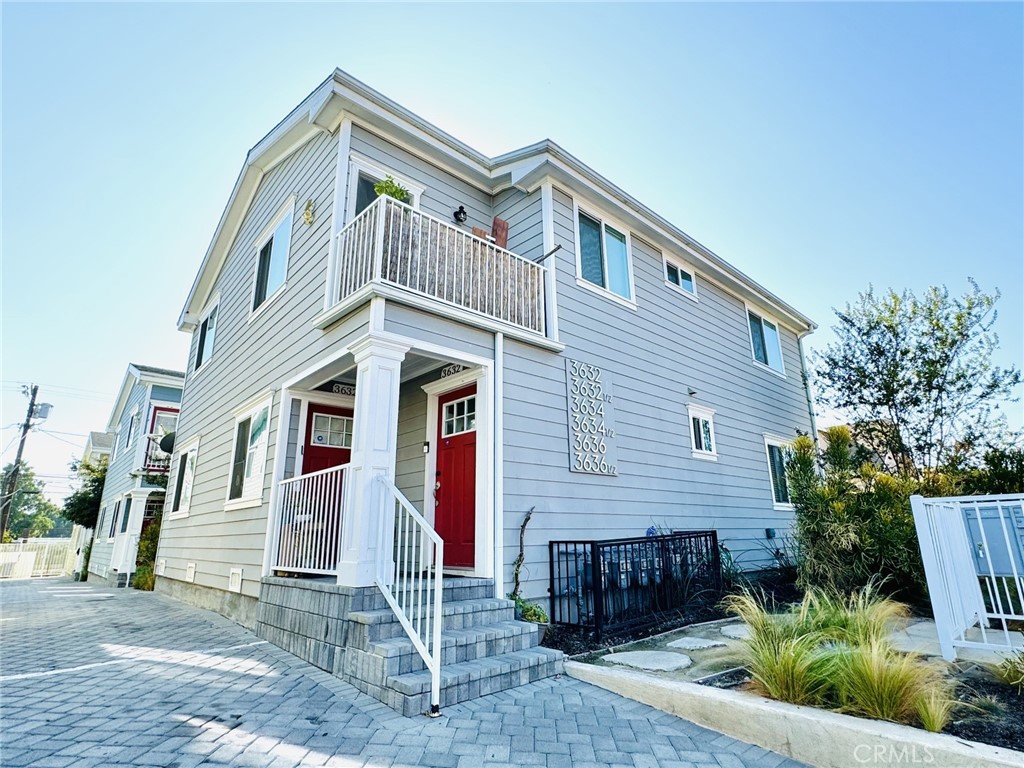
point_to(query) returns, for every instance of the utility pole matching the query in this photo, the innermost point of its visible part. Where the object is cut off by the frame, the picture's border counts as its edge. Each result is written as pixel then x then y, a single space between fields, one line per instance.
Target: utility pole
pixel 11 481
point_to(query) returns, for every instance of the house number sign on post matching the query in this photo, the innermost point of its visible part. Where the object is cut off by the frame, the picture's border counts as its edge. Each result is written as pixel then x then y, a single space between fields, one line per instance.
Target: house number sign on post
pixel 591 419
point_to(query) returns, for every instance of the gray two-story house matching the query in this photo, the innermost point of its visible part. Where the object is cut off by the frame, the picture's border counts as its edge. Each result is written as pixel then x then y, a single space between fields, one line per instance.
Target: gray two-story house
pixel 145 411
pixel 380 387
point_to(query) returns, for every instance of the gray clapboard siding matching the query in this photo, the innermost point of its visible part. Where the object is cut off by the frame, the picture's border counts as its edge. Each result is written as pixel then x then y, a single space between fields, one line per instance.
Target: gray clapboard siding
pixel 252 355
pixel 444 192
pixel 423 326
pixel 653 355
pixel 525 221
pixel 118 480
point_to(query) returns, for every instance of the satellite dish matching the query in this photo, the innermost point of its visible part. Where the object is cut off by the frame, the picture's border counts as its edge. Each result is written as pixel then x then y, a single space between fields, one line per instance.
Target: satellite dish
pixel 167 443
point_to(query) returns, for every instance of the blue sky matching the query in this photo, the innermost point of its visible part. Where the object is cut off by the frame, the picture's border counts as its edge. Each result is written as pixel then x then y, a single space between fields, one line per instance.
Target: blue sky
pixel 818 147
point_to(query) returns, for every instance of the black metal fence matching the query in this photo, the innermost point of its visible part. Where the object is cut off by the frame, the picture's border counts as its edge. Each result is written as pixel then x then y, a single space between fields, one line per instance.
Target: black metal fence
pixel 619 584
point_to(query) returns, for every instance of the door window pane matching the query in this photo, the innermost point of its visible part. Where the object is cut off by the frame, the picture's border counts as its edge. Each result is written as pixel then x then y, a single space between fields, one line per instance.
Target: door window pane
pixel 459 417
pixel 364 192
pixel 332 431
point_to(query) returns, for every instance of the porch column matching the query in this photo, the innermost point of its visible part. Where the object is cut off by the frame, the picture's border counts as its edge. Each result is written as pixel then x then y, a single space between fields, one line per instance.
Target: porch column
pixel 374 450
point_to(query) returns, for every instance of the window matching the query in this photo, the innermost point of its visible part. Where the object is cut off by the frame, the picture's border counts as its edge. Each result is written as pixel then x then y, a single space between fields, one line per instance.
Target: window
pixel 332 431
pixel 115 447
pixel 132 423
pixel 764 340
pixel 365 174
pixel 113 520
pixel 680 277
pixel 272 257
pixel 250 454
pixel 126 513
pixel 184 478
pixel 604 256
pixel 702 432
pixel 207 335
pixel 778 452
pixel 459 416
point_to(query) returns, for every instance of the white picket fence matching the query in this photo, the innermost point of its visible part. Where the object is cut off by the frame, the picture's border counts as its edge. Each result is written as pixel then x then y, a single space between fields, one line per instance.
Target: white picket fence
pixel 973 553
pixel 33 558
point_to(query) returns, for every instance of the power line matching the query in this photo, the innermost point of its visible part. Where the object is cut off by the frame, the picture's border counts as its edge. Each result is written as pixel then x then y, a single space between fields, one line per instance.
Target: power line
pixel 61 439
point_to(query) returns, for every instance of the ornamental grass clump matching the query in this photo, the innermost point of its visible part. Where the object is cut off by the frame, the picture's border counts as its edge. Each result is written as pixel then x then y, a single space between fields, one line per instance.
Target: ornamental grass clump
pixel 1011 671
pixel 832 650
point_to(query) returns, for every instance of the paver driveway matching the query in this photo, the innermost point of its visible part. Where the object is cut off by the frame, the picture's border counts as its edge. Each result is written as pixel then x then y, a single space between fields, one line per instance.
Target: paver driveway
pixel 93 676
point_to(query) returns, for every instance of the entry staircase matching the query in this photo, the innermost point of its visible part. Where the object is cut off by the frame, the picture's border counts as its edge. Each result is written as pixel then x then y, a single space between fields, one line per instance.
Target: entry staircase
pixel 416 641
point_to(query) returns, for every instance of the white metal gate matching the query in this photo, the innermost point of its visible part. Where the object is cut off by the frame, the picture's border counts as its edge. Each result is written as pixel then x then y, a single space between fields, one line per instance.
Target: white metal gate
pixel 30 558
pixel 973 553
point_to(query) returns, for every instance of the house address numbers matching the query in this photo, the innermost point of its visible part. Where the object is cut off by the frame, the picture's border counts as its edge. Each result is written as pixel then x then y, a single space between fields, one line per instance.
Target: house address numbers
pixel 591 419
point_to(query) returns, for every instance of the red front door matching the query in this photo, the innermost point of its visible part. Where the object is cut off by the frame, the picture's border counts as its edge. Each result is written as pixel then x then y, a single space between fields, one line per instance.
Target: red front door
pixel 455 484
pixel 328 438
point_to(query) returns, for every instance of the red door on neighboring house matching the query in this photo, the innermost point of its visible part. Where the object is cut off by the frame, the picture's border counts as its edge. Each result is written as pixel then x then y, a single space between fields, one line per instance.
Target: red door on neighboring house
pixel 455 484
pixel 328 438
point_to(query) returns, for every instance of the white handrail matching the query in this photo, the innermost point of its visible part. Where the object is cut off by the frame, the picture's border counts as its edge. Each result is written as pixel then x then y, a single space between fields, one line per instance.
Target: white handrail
pixel 412 583
pixel 309 521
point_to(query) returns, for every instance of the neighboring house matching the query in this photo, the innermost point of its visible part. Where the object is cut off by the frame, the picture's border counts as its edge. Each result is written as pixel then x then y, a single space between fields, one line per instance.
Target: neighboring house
pixel 97 449
pixel 146 409
pixel 518 333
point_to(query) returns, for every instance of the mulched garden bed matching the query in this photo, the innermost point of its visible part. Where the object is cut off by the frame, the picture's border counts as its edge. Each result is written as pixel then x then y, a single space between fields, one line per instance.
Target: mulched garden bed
pixel 992 712
pixel 573 641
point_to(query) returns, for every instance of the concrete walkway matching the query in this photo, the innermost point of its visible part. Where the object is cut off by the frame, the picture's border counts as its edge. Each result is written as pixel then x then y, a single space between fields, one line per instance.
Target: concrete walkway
pixel 91 676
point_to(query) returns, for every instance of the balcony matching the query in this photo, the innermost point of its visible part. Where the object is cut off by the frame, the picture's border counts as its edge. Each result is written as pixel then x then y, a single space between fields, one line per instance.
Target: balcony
pixel 390 244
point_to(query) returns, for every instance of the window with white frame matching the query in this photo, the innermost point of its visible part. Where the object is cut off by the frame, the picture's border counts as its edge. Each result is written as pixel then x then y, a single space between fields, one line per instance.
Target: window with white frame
pixel 130 432
pixel 765 341
pixel 162 422
pixel 702 432
pixel 777 450
pixel 332 431
pixel 113 520
pixel 459 416
pixel 250 453
pixel 681 277
pixel 272 256
pixel 115 448
pixel 604 255
pixel 365 175
pixel 126 513
pixel 207 336
pixel 184 478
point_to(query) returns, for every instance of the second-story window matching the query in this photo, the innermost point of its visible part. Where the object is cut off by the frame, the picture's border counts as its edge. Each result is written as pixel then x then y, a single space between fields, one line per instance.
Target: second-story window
pixel 681 277
pixel 604 256
pixel 765 341
pixel 272 257
pixel 207 336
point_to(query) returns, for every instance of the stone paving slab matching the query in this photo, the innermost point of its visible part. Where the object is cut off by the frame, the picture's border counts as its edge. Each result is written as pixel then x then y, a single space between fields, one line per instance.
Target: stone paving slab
pixel 92 677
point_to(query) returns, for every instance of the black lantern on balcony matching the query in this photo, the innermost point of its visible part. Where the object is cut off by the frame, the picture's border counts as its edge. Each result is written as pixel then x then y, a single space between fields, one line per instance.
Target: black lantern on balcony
pixel 460 215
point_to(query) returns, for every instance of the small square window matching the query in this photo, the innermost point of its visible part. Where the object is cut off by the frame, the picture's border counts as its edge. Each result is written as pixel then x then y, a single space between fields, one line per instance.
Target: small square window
pixel 680 278
pixel 459 417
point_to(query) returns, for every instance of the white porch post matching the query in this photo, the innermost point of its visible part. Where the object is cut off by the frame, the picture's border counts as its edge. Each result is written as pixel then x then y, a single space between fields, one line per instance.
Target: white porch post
pixel 374 450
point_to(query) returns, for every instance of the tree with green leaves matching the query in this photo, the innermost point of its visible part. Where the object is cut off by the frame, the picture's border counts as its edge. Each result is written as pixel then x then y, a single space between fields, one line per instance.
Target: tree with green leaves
pixel 32 515
pixel 914 377
pixel 83 506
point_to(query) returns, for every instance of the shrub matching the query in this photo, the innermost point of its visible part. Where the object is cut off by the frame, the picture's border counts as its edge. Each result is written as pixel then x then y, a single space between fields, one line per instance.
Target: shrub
pixel 853 522
pixel 876 681
pixel 145 578
pixel 391 188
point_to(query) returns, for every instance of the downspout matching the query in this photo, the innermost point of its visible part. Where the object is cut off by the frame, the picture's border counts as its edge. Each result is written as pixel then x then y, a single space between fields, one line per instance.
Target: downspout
pixel 499 465
pixel 807 386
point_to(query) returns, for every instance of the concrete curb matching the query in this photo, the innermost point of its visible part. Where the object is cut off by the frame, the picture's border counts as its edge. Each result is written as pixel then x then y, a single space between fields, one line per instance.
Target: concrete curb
pixel 813 736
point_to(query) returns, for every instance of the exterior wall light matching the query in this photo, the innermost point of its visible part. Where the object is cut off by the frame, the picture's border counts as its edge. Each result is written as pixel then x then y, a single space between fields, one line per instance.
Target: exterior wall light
pixel 460 215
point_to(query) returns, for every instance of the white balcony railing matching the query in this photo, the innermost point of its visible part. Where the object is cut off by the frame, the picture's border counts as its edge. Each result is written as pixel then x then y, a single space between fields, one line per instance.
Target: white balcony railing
pixel 309 519
pixel 392 243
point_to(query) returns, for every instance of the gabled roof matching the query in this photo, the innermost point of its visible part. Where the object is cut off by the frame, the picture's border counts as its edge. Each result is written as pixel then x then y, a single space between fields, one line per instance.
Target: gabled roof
pixel 525 168
pixel 100 442
pixel 144 374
